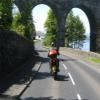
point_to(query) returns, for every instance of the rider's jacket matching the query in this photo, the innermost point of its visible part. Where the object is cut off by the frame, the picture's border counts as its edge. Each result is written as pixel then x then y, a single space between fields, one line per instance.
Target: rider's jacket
pixel 53 55
pixel 53 52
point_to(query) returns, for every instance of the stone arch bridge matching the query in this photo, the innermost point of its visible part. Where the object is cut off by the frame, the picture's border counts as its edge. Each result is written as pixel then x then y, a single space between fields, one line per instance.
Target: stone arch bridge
pixel 61 8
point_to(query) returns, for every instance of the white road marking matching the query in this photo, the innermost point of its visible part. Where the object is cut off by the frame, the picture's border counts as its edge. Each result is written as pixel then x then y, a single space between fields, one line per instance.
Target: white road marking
pixel 65 66
pixel 69 74
pixel 79 97
pixel 71 78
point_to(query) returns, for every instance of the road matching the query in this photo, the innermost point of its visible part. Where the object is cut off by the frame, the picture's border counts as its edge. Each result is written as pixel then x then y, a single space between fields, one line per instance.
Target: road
pixel 76 81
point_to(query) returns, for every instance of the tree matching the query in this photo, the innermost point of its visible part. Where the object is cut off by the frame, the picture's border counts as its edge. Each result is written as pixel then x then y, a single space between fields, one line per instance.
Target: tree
pixel 51 29
pixel 29 29
pixel 75 31
pixel 17 25
pixel 5 14
pixel 25 30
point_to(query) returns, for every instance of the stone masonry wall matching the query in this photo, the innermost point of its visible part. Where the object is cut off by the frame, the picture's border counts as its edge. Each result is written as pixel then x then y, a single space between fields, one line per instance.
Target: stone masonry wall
pixel 14 51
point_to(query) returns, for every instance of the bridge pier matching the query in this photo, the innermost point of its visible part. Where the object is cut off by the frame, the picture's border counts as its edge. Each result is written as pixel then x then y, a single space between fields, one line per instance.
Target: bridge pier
pixel 61 31
pixel 98 38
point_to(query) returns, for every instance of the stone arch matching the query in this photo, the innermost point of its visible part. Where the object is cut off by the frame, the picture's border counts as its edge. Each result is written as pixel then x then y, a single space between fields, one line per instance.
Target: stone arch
pixel 29 5
pixel 52 8
pixel 41 5
pixel 91 19
pixel 58 17
pixel 40 14
pixel 60 7
pixel 49 5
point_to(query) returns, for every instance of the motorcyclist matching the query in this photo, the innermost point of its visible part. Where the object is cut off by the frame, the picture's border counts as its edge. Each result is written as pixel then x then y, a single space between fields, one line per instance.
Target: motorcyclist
pixel 53 53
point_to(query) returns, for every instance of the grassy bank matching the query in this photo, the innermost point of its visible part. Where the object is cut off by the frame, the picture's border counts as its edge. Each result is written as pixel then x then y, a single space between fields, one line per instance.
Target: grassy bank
pixel 96 60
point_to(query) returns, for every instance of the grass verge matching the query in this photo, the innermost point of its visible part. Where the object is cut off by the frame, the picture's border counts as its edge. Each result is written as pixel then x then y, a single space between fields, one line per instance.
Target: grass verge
pixel 96 60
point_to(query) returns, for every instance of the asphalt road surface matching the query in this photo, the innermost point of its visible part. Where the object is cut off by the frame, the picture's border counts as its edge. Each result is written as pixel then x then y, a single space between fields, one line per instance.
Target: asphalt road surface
pixel 76 81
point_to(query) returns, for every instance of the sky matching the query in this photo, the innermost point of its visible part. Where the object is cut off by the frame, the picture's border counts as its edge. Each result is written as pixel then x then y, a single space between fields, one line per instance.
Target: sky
pixel 40 13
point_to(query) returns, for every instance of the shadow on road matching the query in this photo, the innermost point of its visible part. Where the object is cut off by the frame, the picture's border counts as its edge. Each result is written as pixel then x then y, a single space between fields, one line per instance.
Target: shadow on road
pixel 23 75
pixel 3 97
pixel 44 60
pixel 43 98
pixel 41 50
pixel 34 98
pixel 62 78
pixel 42 75
pixel 64 60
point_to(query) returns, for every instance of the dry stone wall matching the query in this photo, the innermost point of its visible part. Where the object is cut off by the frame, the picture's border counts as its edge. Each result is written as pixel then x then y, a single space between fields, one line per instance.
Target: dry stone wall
pixel 14 51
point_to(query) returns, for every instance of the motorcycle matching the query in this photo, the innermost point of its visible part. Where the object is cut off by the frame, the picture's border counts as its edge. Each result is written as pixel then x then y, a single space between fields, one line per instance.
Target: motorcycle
pixel 54 65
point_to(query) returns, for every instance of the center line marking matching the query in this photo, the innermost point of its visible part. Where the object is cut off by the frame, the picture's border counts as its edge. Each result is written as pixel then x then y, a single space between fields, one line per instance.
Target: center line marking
pixel 71 78
pixel 79 97
pixel 65 66
pixel 69 74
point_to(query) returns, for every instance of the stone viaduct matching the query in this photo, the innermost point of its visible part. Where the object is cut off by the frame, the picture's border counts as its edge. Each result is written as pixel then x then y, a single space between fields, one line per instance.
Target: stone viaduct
pixel 61 8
